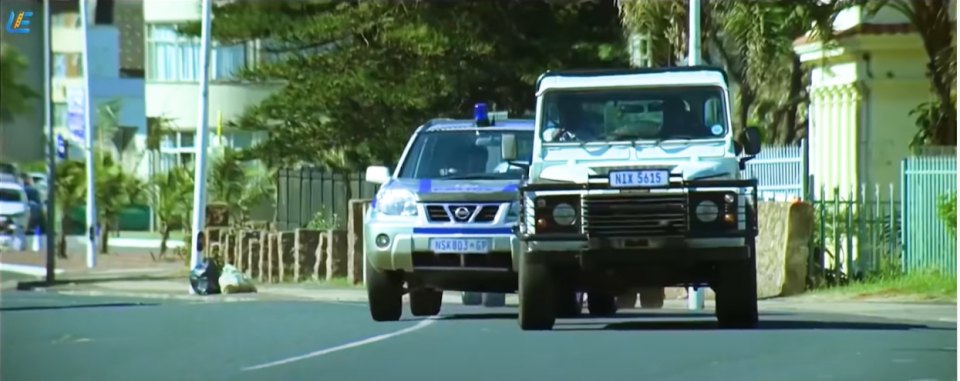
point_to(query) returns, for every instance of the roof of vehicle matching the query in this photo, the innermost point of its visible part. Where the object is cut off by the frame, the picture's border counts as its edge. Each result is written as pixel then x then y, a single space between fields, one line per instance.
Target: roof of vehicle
pixel 12 185
pixel 661 76
pixel 9 178
pixel 469 124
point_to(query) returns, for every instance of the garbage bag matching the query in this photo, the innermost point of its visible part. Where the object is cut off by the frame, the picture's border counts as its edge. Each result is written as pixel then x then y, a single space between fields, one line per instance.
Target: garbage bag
pixel 204 279
pixel 232 281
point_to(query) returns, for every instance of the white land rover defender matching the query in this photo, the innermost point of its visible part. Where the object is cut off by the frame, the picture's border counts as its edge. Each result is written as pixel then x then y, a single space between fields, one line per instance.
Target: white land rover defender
pixel 634 183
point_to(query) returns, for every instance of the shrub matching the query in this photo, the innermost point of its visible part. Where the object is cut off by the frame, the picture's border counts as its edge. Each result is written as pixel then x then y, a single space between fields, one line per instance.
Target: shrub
pixel 948 212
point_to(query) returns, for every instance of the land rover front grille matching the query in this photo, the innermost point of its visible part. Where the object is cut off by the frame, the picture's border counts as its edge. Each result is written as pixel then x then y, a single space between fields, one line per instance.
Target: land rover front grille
pixel 449 213
pixel 633 216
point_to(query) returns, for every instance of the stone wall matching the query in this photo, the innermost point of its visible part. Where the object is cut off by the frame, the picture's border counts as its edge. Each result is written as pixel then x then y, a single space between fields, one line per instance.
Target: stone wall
pixel 782 250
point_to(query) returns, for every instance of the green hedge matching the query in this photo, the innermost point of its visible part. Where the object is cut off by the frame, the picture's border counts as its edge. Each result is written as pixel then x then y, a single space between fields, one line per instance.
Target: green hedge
pixel 133 218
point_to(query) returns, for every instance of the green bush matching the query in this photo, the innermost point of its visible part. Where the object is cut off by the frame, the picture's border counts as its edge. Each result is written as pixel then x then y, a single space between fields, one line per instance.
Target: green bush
pixel 948 212
pixel 324 220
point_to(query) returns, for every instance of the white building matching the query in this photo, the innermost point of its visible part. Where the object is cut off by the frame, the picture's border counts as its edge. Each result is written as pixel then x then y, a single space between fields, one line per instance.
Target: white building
pixel 172 80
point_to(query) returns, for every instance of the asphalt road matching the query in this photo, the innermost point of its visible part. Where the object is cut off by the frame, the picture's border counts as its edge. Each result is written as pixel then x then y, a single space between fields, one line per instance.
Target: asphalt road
pixel 58 337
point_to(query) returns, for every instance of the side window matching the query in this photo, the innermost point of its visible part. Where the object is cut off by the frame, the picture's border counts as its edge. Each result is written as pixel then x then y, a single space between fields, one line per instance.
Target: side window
pixel 712 111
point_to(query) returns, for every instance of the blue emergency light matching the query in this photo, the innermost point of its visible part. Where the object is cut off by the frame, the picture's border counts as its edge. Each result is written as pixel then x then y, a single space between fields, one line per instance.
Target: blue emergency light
pixel 480 115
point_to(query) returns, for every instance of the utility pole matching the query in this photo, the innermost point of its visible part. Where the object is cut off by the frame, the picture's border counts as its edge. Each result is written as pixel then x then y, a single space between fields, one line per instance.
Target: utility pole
pixel 51 149
pixel 695 297
pixel 88 141
pixel 203 136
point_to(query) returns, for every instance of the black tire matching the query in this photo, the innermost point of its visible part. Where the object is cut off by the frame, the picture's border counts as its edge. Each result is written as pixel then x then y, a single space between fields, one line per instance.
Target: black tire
pixel 425 302
pixel 569 304
pixel 536 294
pixel 471 298
pixel 494 299
pixel 627 299
pixel 601 303
pixel 736 294
pixel 652 297
pixel 384 294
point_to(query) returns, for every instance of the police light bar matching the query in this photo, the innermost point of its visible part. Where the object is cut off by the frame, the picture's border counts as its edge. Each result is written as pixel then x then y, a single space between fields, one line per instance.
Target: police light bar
pixel 497 115
pixel 480 115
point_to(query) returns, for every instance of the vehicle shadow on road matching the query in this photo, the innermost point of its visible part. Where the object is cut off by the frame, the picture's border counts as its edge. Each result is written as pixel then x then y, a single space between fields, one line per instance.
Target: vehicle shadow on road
pixel 593 320
pixel 73 306
pixel 765 324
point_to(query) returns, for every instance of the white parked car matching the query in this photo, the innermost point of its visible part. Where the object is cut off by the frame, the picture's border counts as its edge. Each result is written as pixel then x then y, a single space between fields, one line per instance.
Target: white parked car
pixel 15 208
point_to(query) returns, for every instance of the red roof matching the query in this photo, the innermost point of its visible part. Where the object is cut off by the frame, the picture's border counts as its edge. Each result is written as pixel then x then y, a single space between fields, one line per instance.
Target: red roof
pixel 865 29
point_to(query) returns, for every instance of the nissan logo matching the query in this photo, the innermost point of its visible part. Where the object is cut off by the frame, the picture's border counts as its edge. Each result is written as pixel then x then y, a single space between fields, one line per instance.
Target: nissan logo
pixel 462 213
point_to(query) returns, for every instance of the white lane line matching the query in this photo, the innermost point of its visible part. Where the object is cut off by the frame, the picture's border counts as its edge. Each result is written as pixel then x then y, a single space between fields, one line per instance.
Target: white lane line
pixel 421 325
pixel 948 320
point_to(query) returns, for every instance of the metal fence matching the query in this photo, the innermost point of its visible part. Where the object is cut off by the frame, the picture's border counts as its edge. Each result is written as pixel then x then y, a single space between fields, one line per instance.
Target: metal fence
pixel 927 242
pixel 780 172
pixel 855 234
pixel 879 231
pixel 304 192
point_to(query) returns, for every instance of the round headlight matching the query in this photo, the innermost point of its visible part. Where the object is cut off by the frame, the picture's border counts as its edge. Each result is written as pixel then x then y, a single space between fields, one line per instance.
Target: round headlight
pixel 729 198
pixel 564 214
pixel 707 211
pixel 382 241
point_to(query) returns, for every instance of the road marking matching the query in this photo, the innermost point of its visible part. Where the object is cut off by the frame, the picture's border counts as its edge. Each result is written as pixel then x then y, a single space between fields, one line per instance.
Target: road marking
pixel 421 325
pixel 948 320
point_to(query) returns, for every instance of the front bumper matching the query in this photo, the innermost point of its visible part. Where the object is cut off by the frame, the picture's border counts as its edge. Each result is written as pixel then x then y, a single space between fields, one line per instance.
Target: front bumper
pixel 575 248
pixel 409 248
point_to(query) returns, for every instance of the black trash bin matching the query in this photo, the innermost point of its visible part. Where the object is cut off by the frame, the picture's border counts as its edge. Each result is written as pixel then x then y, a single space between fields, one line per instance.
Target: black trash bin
pixel 204 279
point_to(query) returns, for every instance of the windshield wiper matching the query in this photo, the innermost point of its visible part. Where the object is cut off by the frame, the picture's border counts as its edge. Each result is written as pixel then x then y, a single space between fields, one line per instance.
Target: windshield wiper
pixel 475 176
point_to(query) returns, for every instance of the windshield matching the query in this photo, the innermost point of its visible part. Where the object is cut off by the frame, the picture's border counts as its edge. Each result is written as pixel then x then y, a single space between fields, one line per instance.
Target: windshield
pixel 634 114
pixel 465 154
pixel 10 195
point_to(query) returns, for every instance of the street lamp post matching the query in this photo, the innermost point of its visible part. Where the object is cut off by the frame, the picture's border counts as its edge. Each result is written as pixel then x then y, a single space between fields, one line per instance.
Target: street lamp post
pixel 695 297
pixel 88 142
pixel 202 138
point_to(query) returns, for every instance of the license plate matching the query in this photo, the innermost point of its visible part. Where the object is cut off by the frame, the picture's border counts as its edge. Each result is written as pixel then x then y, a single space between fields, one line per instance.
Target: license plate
pixel 641 178
pixel 460 246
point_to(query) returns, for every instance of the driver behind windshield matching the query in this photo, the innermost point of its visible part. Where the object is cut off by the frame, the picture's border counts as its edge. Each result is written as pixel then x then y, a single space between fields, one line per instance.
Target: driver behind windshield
pixel 573 123
pixel 463 159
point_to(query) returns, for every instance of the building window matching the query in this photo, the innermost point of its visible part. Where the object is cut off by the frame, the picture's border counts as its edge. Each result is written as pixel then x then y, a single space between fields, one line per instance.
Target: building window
pixel 65 19
pixel 175 58
pixel 67 65
pixel 60 114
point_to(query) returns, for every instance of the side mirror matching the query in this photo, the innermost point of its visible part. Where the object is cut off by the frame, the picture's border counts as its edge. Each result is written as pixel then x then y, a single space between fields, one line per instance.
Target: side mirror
pixel 377 174
pixel 508 147
pixel 751 144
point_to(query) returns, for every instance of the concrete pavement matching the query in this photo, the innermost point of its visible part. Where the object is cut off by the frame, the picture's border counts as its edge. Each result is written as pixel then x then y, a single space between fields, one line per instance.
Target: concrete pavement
pixel 51 336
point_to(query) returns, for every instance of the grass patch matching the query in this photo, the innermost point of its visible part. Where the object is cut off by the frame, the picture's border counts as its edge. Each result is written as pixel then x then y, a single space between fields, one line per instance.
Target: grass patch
pixel 919 286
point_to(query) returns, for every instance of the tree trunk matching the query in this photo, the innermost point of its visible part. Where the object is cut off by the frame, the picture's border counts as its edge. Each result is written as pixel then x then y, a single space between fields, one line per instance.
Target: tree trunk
pixel 104 236
pixel 165 235
pixel 62 237
pixel 796 86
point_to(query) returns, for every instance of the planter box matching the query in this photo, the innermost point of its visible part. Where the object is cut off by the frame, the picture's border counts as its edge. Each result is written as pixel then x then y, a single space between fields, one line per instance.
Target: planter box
pixel 285 256
pixel 305 249
pixel 336 256
pixel 358 208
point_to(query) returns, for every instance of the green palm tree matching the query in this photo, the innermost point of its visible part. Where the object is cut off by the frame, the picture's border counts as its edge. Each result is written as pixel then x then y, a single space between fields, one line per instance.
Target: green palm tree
pixel 116 190
pixel 71 190
pixel 171 195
